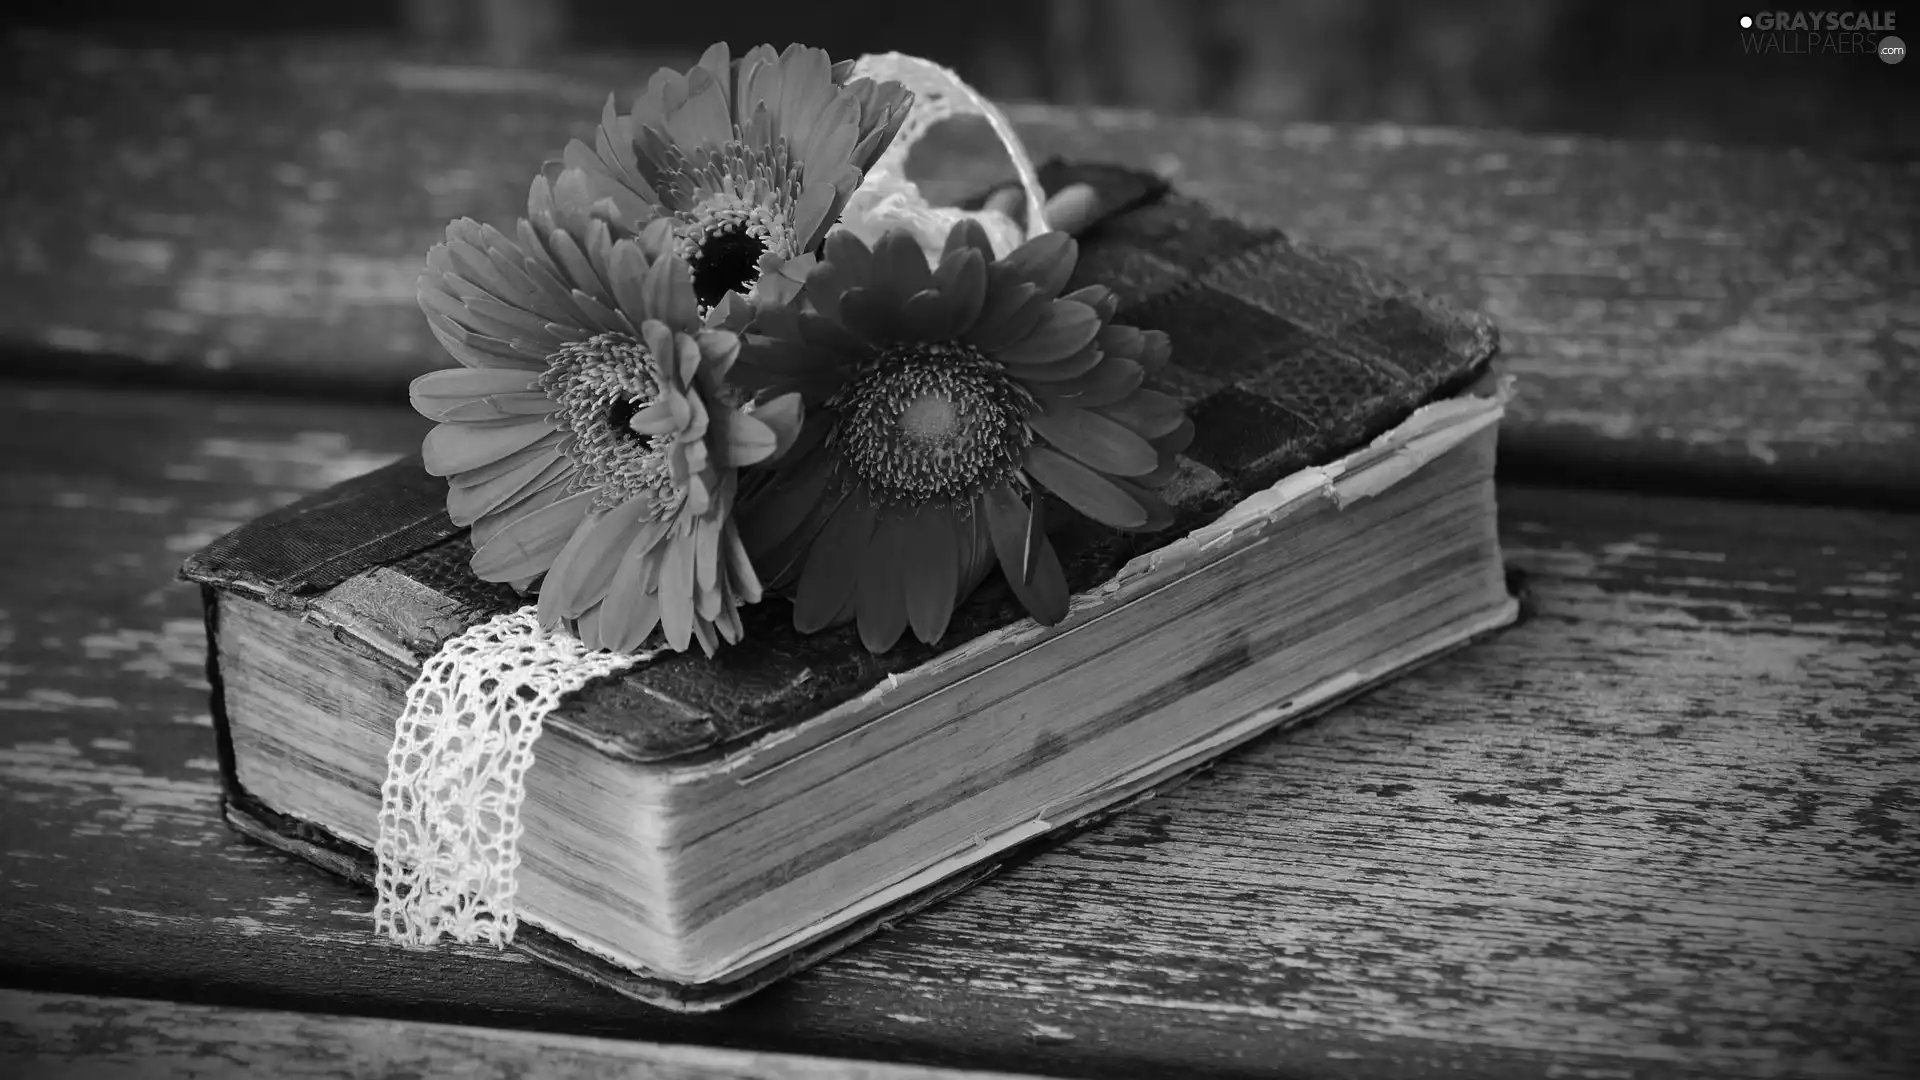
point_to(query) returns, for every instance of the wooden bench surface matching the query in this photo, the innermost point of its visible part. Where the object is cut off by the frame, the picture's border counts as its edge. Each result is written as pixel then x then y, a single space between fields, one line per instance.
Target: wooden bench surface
pixel 1742 319
pixel 1669 826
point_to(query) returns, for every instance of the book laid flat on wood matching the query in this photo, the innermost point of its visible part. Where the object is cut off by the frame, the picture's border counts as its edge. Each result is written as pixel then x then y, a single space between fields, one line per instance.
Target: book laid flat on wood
pixel 696 828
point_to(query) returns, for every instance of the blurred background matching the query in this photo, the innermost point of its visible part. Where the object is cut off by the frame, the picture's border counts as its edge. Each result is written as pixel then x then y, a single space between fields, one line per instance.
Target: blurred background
pixel 1634 68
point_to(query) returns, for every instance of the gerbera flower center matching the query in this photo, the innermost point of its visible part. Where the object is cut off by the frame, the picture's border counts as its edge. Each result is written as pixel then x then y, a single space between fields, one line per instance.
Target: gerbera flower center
pixel 599 384
pixel 931 422
pixel 722 240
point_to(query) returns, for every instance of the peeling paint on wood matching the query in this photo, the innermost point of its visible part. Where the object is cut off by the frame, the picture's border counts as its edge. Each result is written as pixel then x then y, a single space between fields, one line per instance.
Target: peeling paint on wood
pixel 1668 827
pixel 1732 317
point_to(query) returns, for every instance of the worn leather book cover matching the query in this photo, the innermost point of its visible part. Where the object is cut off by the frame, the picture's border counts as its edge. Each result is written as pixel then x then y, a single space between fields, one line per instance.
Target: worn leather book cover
pixel 1286 356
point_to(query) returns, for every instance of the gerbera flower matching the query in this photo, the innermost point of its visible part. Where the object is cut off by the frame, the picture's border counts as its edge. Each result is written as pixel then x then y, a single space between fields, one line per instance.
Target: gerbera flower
pixel 591 436
pixel 752 160
pixel 942 402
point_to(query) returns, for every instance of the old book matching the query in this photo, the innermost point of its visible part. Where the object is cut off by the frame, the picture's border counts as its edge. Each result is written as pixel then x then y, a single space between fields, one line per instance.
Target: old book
pixel 696 828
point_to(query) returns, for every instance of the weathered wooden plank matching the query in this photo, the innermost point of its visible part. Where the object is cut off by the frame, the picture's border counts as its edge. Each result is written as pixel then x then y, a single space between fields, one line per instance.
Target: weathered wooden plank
pixel 1668 827
pixel 69 1037
pixel 1736 317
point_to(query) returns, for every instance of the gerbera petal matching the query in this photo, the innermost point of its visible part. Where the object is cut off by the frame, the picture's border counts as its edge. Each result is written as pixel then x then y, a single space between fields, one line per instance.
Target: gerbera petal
pixel 436 393
pixel 1159 514
pixel 1178 439
pixel 782 416
pixel 806 88
pixel 687 353
pixel 532 458
pixel 782 562
pixel 925 317
pixel 597 244
pixel 873 315
pixel 1155 351
pixel 735 312
pixel 471 261
pixel 780 280
pixel 468 503
pixel 719 63
pixel 1036 537
pixel 529 544
pixel 826 280
pixel 670 297
pixel 850 255
pixel 832 339
pixel 676 591
pixel 438 297
pixel 540 209
pixel 880 602
pixel 1061 332
pixel 703 632
pixel 706 568
pixel 931 571
pixel 778 512
pixel 666 89
pixel 614 145
pixel 1046 597
pixel 1169 468
pixel 761 80
pixel 974 547
pixel 658 338
pixel 1120 340
pixel 833 143
pixel 1083 489
pixel 703 119
pixel 585 567
pixel 656 418
pixel 812 212
pixel 783 353
pixel 509 262
pixel 1046 260
pixel 740 439
pixel 472 349
pixel 834 564
pixel 669 89
pixel 693 435
pixel 719 349
pixel 631 278
pixel 1099 298
pixel 968 235
pixel 883 109
pixel 455 448
pixel 1094 440
pixel 899 267
pixel 962 281
pixel 632 606
pixel 1149 413
pixel 574 193
pixel 522 329
pixel 1008 315
pixel 743 578
pixel 1060 371
pixel 1044 593
pixel 490 526
pixel 578 268
pixel 587 628
pixel 656 240
pixel 599 318
pixel 545 275
pixel 755 124
pixel 1111 381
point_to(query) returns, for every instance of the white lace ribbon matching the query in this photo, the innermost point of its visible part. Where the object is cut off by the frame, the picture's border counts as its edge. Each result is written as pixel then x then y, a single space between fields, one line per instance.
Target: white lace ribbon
pixel 449 847
pixel 886 199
